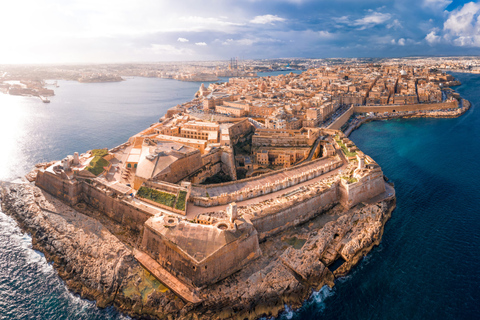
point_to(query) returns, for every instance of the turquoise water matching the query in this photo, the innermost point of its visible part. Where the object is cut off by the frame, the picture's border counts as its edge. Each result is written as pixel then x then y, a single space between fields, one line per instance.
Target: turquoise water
pixel 427 266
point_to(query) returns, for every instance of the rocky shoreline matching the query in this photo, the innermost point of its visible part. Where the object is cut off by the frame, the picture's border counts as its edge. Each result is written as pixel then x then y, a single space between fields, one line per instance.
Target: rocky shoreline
pixel 95 264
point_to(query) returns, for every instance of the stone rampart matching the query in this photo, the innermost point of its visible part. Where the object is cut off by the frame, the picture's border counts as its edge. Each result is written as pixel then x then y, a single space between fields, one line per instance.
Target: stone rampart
pixel 294 214
pixel 120 210
pixel 200 198
pixel 408 107
pixel 337 124
pixel 66 190
pixel 366 188
pixel 199 271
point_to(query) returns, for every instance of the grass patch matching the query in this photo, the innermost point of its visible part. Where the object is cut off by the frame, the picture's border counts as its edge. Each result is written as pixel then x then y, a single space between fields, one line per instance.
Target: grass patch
pixel 164 198
pixel 182 197
pixel 99 152
pixel 347 153
pixel 350 179
pixel 97 164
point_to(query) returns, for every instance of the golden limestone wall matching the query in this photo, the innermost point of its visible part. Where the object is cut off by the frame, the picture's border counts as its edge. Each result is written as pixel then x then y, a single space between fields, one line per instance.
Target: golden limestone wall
pixel 240 129
pixel 65 190
pixel 268 224
pixel 181 168
pixel 363 190
pixel 72 192
pixel 411 107
pixel 119 210
pixel 337 124
pixel 219 265
pixel 199 191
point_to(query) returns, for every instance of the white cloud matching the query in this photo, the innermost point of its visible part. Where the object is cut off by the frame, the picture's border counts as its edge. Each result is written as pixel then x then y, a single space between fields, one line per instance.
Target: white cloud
pixel 267 19
pixel 325 34
pixel 401 42
pixel 395 24
pixel 432 37
pixel 436 4
pixel 371 20
pixel 461 21
pixel 200 44
pixel 167 51
pixel 462 26
pixel 182 40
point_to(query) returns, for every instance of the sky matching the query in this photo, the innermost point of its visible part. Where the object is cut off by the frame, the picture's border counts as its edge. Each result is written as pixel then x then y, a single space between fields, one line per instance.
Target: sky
pixel 102 31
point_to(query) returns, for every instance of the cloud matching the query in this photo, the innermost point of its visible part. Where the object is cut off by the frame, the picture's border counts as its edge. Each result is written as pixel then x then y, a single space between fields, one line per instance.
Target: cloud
pixel 182 40
pixel 167 51
pixel 401 42
pixel 200 44
pixel 372 20
pixel 462 26
pixel 436 4
pixel 267 19
pixel 325 34
pixel 395 24
pixel 432 37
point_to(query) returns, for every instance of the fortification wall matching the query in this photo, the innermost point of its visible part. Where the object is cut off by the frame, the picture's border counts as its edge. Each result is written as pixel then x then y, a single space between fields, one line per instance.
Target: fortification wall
pixel 337 124
pixel 272 223
pixel 220 264
pixel 66 190
pixel 199 192
pixel 363 190
pixel 408 107
pixel 279 141
pixel 228 163
pixel 240 129
pixel 119 210
pixel 181 168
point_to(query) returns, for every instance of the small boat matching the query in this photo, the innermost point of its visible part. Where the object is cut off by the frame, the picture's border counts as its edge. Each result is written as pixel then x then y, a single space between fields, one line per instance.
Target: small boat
pixel 44 99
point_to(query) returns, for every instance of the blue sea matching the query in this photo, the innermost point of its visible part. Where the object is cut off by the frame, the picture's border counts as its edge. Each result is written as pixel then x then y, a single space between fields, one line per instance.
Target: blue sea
pixel 427 266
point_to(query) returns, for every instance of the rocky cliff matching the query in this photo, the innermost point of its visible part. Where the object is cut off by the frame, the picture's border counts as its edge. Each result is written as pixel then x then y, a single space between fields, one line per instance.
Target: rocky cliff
pixel 97 265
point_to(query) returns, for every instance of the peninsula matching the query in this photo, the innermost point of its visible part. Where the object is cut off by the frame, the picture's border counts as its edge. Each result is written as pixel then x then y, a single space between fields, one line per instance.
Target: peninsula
pixel 235 204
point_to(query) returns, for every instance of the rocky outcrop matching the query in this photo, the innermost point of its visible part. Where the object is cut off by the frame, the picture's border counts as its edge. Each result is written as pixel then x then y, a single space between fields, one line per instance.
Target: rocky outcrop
pixel 92 261
pixel 95 264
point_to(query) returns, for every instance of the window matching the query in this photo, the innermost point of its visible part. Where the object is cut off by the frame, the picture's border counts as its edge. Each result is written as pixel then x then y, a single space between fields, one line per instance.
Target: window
pixel 129 165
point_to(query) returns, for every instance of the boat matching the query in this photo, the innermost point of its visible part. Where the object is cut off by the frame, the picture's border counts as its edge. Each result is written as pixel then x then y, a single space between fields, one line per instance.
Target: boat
pixel 44 99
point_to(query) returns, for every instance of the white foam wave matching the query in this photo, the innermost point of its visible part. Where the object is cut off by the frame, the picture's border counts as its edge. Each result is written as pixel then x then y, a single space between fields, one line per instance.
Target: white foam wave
pixel 320 296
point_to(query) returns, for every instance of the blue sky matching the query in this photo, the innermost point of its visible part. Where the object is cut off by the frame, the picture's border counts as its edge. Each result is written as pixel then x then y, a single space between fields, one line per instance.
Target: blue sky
pixel 70 31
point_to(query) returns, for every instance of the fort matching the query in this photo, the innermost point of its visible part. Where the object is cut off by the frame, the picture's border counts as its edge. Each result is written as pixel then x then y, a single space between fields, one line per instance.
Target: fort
pixel 276 174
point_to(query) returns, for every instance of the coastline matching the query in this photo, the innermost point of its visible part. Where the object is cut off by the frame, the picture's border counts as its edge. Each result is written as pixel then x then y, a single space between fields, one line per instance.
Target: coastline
pixel 265 303
pixel 65 236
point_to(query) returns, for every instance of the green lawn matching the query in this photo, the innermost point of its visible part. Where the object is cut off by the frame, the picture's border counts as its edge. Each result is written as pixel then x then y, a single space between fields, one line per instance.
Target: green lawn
pixel 182 197
pixel 99 152
pixel 161 197
pixel 345 150
pixel 97 164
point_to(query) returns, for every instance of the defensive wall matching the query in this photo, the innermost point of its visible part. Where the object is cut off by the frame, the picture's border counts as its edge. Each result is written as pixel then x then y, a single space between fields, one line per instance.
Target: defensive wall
pixel 407 107
pixel 295 212
pixel 365 188
pixel 284 137
pixel 58 186
pixel 337 124
pixel 127 213
pixel 201 195
pixel 234 248
pixel 218 160
pixel 240 129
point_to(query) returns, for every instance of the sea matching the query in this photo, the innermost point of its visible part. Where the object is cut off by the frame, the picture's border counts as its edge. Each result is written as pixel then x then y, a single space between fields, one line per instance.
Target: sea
pixel 426 267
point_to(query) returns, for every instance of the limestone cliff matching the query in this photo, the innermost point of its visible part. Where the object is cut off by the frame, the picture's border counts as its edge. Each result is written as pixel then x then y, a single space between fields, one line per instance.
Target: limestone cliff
pixel 97 265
